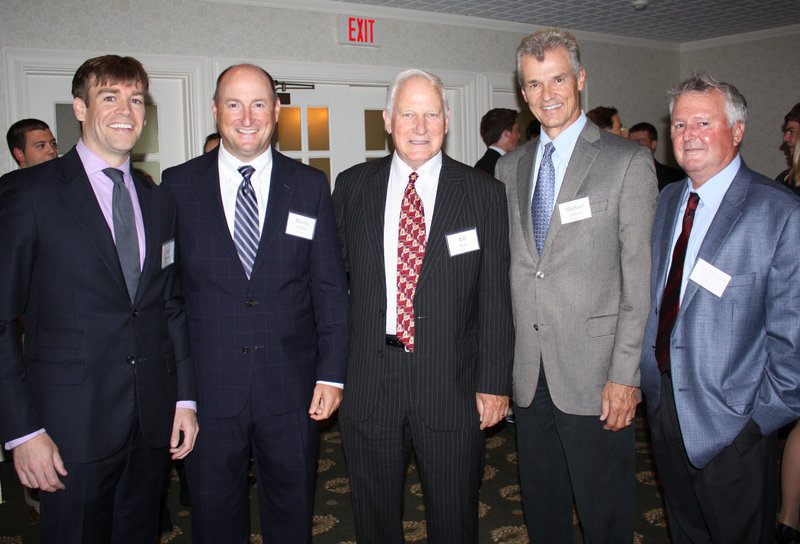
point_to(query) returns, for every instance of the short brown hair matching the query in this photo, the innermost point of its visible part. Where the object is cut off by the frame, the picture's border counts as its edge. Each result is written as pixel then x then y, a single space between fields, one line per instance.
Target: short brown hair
pixel 108 69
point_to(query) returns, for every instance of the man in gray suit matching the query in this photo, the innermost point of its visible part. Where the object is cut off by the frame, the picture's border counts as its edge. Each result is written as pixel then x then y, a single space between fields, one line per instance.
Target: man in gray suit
pixel 721 357
pixel 581 203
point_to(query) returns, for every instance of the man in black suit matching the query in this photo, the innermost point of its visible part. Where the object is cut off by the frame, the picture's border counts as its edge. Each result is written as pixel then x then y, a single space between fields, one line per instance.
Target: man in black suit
pixel 500 133
pixel 106 385
pixel 31 142
pixel 266 296
pixel 432 335
pixel 647 135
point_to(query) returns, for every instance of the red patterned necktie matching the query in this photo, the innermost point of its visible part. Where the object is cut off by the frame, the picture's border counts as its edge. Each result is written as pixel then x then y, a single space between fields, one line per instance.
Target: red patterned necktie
pixel 670 302
pixel 410 251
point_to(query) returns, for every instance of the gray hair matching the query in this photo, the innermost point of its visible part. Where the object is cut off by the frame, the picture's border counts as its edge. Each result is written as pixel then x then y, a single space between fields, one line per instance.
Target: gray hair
pixel 703 83
pixel 538 43
pixel 405 75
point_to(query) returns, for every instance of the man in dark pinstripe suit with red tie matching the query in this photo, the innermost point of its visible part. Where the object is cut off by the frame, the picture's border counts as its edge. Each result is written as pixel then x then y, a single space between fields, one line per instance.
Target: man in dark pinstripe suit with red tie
pixel 425 241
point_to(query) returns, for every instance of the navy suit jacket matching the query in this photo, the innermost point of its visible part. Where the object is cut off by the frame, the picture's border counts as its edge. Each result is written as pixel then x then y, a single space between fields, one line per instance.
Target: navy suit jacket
pixel 286 327
pixel 734 357
pixel 463 332
pixel 92 357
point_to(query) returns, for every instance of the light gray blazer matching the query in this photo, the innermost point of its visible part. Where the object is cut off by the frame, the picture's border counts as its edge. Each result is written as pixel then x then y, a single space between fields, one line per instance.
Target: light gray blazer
pixel 734 357
pixel 581 305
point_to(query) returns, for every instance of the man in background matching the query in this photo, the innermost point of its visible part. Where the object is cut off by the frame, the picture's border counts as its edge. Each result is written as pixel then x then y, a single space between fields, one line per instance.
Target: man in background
pixel 647 135
pixel 31 142
pixel 791 125
pixel 581 203
pixel 721 357
pixel 500 132
pixel 266 297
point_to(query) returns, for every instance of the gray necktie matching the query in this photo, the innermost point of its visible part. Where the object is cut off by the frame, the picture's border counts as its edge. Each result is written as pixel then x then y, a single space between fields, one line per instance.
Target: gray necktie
pixel 125 236
pixel 245 223
pixel 543 196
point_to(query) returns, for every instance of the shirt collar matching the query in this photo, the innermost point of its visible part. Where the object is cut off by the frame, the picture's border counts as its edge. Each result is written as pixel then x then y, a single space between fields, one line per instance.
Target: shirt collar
pixel 713 191
pixel 93 163
pixel 499 150
pixel 564 142
pixel 229 163
pixel 426 171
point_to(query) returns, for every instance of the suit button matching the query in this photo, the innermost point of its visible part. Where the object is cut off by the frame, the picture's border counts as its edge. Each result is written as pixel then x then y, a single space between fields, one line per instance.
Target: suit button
pixel 245 349
pixel 131 360
pixel 136 313
pixel 540 274
pixel 250 303
pixel 535 327
pixel 379 355
pixel 654 348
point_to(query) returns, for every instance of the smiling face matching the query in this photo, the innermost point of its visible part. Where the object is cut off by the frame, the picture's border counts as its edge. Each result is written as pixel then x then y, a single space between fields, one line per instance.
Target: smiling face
pixel 112 118
pixel 703 142
pixel 245 112
pixel 40 146
pixel 551 89
pixel 418 121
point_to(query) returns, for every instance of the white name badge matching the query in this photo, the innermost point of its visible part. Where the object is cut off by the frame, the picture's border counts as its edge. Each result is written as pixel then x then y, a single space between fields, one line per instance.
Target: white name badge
pixel 301 226
pixel 709 277
pixel 167 253
pixel 462 242
pixel 575 210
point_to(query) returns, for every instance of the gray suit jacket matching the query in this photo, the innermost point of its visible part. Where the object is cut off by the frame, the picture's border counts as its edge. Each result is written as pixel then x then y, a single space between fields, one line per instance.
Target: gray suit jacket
pixel 736 357
pixel 581 305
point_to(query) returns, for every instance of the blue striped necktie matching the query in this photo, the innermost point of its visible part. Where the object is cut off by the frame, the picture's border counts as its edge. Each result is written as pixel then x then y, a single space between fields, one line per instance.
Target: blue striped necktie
pixel 543 196
pixel 245 226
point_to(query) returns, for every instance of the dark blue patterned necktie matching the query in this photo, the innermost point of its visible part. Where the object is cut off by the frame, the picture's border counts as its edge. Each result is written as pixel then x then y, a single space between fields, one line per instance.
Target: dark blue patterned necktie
pixel 245 225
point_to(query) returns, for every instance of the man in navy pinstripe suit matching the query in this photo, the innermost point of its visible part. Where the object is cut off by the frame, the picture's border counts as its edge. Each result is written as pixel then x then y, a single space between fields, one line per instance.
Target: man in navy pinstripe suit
pixel 436 380
pixel 271 333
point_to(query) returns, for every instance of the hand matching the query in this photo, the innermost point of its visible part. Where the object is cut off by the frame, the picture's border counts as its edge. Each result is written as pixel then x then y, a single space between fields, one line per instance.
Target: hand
pixel 186 421
pixel 324 401
pixel 491 408
pixel 618 407
pixel 38 464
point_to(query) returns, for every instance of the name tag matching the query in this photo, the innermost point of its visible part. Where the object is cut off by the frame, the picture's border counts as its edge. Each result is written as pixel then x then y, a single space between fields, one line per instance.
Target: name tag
pixel 709 277
pixel 462 242
pixel 301 226
pixel 167 253
pixel 575 210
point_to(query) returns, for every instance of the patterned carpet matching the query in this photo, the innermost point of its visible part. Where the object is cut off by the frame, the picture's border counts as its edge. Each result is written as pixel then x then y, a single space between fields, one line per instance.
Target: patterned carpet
pixel 501 520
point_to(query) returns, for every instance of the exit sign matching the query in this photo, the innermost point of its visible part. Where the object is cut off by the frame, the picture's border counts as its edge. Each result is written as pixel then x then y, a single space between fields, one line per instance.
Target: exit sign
pixel 361 31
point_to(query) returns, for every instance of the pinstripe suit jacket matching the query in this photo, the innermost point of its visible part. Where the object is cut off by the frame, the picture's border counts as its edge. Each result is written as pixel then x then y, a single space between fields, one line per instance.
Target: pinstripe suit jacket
pixel 464 333
pixel 580 306
pixel 269 338
pixel 91 355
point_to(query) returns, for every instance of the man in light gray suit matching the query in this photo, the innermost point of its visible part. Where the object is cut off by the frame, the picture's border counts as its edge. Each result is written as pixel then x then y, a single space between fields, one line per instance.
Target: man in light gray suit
pixel 581 202
pixel 721 358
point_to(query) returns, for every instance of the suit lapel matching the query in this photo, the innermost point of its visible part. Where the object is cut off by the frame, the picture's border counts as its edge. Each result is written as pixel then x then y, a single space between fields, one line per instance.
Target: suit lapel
pixel 152 256
pixel 79 196
pixel 208 191
pixel 281 187
pixel 580 162
pixel 524 184
pixel 449 197
pixel 730 209
pixel 376 185
pixel 663 233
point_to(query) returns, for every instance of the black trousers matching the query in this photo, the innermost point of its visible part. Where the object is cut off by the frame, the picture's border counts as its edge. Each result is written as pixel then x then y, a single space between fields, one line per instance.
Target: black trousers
pixel 377 452
pixel 114 500
pixel 730 500
pixel 564 457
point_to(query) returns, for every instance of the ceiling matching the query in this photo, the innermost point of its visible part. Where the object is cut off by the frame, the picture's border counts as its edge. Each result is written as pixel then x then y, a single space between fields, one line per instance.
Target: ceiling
pixel 676 21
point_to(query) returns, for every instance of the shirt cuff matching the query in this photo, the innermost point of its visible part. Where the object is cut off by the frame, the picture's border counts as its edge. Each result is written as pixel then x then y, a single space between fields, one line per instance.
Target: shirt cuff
pixel 10 445
pixel 190 404
pixel 335 384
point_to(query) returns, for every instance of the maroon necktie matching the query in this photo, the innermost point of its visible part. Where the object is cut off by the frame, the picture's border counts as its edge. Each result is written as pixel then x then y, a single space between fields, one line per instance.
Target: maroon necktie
pixel 670 303
pixel 410 251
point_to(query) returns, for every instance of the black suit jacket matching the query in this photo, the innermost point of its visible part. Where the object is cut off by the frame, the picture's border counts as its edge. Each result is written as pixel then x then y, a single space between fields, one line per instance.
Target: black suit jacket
pixel 277 333
pixel 666 175
pixel 464 335
pixel 91 356
pixel 487 162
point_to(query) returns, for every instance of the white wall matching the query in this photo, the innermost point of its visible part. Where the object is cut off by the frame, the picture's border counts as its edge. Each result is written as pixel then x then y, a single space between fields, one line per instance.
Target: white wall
pixel 628 74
